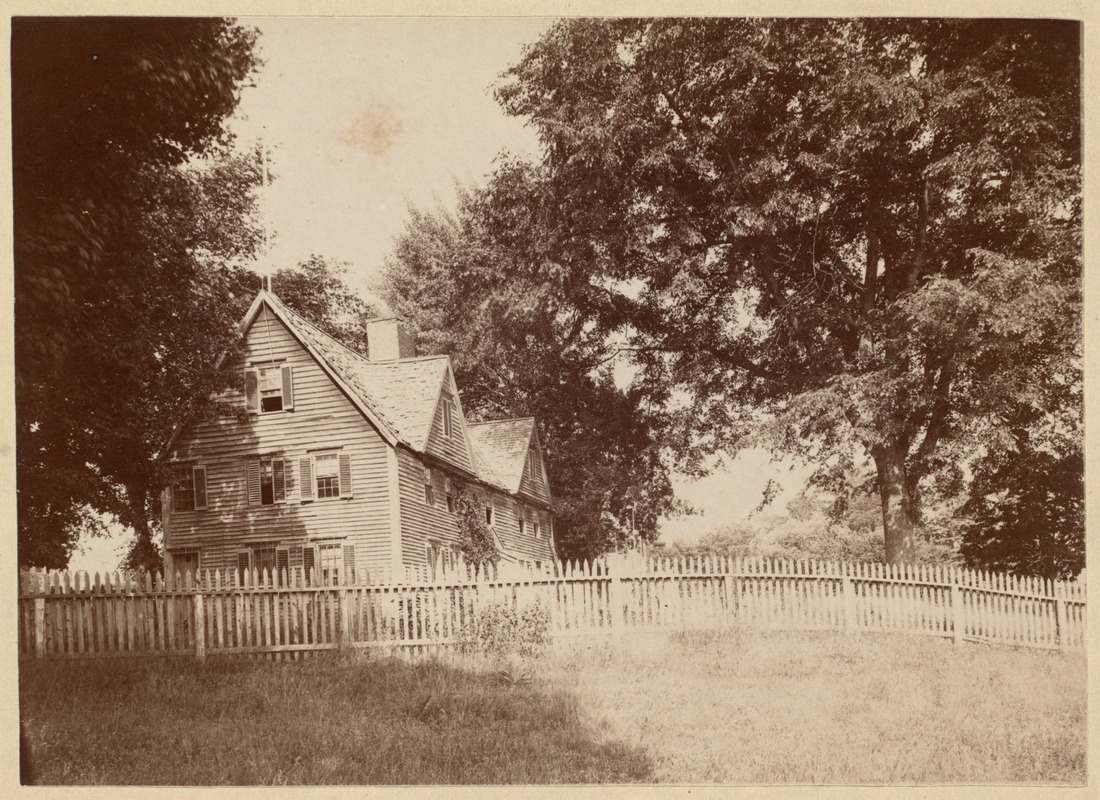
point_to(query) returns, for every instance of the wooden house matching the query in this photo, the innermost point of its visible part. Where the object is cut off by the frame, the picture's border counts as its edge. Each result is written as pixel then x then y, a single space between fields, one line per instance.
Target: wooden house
pixel 345 463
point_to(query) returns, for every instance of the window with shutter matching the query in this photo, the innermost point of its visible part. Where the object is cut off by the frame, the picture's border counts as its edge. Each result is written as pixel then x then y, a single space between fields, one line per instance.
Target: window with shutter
pixel 282 565
pixel 349 563
pixel 252 470
pixel 345 475
pixel 288 386
pixel 244 564
pixel 189 489
pixel 200 488
pixel 305 470
pixel 252 390
pixel 266 481
pixel 309 563
pixel 269 389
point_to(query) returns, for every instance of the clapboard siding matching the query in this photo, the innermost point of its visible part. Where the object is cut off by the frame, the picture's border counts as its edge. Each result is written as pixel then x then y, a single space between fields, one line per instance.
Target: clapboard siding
pixel 526 545
pixel 535 488
pixel 322 418
pixel 452 449
pixel 419 521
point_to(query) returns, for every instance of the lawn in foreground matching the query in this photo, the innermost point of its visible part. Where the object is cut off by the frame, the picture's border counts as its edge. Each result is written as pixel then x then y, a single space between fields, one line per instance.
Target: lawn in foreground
pixel 322 720
pixel 833 708
pixel 688 708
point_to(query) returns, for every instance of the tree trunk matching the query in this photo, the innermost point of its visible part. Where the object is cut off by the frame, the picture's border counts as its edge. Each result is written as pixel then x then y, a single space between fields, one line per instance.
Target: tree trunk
pixel 897 510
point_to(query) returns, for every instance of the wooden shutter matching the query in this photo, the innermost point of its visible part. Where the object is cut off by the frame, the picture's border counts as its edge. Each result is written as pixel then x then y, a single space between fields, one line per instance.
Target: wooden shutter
pixel 252 391
pixel 278 479
pixel 253 473
pixel 288 387
pixel 345 475
pixel 309 563
pixel 244 561
pixel 305 469
pixel 282 565
pixel 349 564
pixel 199 474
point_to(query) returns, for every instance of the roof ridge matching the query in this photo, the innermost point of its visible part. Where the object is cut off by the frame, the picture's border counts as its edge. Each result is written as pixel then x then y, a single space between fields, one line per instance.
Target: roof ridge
pixel 497 421
pixel 311 331
pixel 313 328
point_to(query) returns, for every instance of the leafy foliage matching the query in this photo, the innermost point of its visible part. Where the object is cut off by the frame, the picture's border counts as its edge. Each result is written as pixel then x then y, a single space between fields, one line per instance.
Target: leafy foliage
pixel 502 630
pixel 520 347
pixel 132 217
pixel 1026 515
pixel 475 540
pixel 317 289
pixel 829 237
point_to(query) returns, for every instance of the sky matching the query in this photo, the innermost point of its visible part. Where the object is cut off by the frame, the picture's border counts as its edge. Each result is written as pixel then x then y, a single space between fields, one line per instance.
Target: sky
pixel 363 117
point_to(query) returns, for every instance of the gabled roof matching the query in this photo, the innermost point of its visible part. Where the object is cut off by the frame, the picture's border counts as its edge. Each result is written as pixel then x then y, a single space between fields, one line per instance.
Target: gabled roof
pixel 500 450
pixel 400 398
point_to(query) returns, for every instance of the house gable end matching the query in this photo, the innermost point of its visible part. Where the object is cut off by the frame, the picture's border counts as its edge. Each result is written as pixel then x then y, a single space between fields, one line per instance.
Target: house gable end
pixel 455 448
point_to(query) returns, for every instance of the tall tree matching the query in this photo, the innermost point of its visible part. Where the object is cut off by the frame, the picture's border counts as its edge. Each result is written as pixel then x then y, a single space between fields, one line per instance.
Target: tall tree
pixel 864 233
pixel 132 218
pixel 317 289
pixel 520 349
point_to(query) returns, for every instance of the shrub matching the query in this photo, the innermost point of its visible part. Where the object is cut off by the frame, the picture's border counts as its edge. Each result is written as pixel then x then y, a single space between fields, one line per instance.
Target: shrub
pixel 501 630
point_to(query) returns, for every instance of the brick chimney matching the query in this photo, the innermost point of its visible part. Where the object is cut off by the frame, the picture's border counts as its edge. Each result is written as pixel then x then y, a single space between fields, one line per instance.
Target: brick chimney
pixel 388 339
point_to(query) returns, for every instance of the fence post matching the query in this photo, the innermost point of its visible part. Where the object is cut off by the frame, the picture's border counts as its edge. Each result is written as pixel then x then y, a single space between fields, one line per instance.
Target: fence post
pixel 849 603
pixel 343 635
pixel 40 627
pixel 957 621
pixel 1060 614
pixel 199 627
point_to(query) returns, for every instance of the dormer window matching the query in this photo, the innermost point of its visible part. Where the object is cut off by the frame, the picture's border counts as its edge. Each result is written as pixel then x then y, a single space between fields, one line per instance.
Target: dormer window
pixel 269 389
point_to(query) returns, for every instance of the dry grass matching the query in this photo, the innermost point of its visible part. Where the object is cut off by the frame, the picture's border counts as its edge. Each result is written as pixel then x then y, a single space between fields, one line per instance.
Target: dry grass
pixel 828 708
pixel 689 708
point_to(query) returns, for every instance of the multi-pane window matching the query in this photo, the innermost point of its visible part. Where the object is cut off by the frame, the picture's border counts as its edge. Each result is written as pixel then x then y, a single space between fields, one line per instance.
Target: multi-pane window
pixel 325 475
pixel 189 489
pixel 535 528
pixel 326 470
pixel 255 561
pixel 331 560
pixel 450 496
pixel 271 389
pixel 522 525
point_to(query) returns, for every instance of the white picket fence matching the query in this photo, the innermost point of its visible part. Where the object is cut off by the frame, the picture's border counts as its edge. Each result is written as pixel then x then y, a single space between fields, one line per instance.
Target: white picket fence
pixel 74 615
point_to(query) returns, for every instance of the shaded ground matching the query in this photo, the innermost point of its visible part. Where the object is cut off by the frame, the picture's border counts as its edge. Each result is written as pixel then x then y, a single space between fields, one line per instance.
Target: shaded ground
pixel 689 708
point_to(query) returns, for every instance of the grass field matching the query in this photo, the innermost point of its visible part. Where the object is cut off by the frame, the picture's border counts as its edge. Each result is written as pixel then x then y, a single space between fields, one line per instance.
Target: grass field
pixel 690 708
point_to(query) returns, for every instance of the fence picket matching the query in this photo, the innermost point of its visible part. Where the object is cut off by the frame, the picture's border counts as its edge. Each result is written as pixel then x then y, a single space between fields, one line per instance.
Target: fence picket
pixel 274 611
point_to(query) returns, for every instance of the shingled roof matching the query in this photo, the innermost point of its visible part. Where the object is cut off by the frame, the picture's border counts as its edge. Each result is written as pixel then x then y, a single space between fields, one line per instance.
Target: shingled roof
pixel 401 397
pixel 500 450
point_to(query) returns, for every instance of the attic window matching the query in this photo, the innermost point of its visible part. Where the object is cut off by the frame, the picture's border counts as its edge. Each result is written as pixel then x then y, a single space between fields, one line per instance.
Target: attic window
pixel 532 464
pixel 269 389
pixel 448 420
